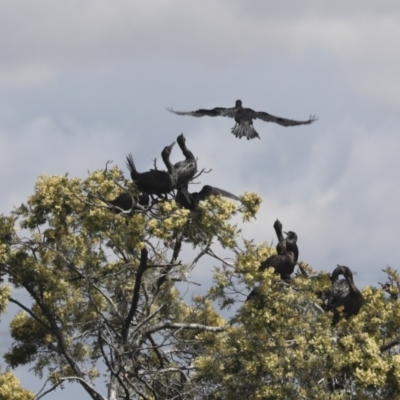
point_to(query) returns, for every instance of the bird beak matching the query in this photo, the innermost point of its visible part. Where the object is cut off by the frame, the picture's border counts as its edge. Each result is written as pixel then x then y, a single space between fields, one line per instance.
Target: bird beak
pixel 171 145
pixel 285 233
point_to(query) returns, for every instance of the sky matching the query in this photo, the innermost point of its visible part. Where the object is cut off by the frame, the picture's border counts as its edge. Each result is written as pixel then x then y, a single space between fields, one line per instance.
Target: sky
pixel 84 82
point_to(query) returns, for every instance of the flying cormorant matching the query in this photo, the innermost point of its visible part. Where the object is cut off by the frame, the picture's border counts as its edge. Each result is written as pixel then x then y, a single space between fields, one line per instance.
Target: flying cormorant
pixel 154 181
pixel 191 200
pixel 344 297
pixel 244 118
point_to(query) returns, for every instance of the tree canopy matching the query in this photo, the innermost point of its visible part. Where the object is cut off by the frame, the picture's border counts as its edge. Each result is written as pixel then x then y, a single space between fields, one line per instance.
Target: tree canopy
pixel 105 304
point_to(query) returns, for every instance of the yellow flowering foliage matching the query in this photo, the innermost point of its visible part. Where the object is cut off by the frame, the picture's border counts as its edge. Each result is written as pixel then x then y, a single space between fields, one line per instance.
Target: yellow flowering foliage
pixel 281 344
pixel 210 220
pixel 107 286
pixel 251 204
pixel 101 281
pixel 10 388
pixel 5 292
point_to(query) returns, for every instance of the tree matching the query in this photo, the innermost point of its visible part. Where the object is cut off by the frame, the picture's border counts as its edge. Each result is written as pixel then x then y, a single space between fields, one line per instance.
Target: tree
pixel 106 304
pixel 103 285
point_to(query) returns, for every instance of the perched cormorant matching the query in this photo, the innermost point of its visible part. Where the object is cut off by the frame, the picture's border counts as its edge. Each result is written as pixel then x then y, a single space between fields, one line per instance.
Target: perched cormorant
pixel 344 298
pixel 154 181
pixel 286 244
pixel 187 168
pixel 244 118
pixel 191 200
pixel 286 259
pixel 283 264
pixel 125 202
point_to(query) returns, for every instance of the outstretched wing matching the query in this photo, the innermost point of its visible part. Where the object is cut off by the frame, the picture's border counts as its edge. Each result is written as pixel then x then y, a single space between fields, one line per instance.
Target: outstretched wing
pixel 211 190
pixel 215 112
pixel 282 121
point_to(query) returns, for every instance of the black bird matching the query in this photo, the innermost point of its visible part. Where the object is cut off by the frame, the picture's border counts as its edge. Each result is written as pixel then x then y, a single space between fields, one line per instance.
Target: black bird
pixel 187 168
pixel 344 297
pixel 244 118
pixel 286 244
pixel 125 202
pixel 191 200
pixel 286 259
pixel 154 181
pixel 283 264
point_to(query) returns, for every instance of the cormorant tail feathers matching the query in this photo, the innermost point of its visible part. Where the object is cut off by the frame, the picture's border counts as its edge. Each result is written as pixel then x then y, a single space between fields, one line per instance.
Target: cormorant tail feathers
pixel 131 164
pixel 245 129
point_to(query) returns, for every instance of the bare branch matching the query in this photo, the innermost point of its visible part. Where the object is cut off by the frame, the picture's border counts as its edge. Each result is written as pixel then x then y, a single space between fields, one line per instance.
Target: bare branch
pixel 171 325
pixel 110 367
pixel 389 345
pixel 212 254
pixel 108 162
pixel 76 378
pixel 201 254
pixel 148 318
pixel 40 395
pixel 175 254
pixel 109 301
pixel 169 370
pixel 34 316
pixel 135 297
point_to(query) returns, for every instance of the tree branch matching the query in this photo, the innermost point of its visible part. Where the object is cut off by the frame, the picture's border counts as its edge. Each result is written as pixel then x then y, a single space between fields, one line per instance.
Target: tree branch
pixel 171 325
pixel 389 345
pixel 135 297
pixel 110 367
pixel 175 254
pixel 77 378
pixel 34 316
pixel 40 395
pixel 201 254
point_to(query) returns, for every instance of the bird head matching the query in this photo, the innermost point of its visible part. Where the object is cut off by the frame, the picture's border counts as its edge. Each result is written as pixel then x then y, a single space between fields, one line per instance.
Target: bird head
pixel 168 149
pixel 346 271
pixel 278 224
pixel 238 103
pixel 181 139
pixel 291 236
pixel 337 271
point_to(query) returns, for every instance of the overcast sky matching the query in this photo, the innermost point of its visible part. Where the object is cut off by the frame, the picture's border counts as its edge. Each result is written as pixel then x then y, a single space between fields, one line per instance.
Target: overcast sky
pixel 82 82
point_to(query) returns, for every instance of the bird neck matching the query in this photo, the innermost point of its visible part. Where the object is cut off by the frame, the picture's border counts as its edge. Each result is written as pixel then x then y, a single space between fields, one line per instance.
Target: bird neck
pixel 336 273
pixel 352 286
pixel 278 231
pixel 167 162
pixel 186 152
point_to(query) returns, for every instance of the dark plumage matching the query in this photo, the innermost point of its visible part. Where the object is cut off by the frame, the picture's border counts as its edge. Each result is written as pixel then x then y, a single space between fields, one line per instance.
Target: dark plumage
pixel 187 168
pixel 154 181
pixel 286 259
pixel 288 252
pixel 283 264
pixel 244 118
pixel 125 203
pixel 286 244
pixel 191 200
pixel 344 297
